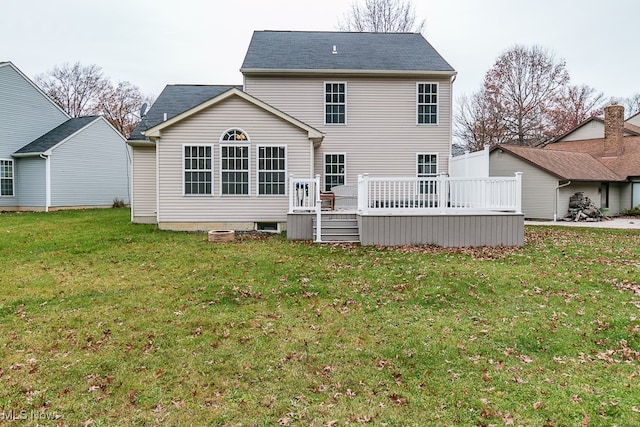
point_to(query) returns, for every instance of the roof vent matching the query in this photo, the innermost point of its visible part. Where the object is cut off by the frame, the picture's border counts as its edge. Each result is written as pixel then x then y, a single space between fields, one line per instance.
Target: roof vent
pixel 335 50
pixel 164 117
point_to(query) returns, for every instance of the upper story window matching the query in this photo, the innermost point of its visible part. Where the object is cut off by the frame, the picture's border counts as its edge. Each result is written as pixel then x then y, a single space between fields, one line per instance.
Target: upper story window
pixel 234 163
pixel 427 105
pixel 6 177
pixel 335 103
pixel 198 168
pixel 272 171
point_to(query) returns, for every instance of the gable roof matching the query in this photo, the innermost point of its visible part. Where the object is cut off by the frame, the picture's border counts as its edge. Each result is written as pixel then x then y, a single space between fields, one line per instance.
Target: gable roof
pixel 307 51
pixel 626 164
pixel 35 86
pixel 628 128
pixel 174 100
pixel 55 136
pixel 313 133
pixel 566 165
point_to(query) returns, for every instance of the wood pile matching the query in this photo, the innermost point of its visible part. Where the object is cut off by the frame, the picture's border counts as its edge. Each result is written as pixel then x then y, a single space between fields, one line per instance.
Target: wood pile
pixel 581 208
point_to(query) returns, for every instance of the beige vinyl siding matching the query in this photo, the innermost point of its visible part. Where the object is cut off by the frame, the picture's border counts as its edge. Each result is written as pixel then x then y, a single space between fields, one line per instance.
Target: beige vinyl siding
pixel 592 130
pixel 538 186
pixel 381 136
pixel 206 127
pixel 143 172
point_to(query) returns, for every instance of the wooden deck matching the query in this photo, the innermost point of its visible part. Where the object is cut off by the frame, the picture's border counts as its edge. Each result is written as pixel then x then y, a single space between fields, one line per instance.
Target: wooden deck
pixel 447 230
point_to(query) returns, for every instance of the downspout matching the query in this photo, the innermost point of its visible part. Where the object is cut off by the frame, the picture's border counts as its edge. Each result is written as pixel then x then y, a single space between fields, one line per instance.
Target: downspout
pixel 555 206
pixel 47 181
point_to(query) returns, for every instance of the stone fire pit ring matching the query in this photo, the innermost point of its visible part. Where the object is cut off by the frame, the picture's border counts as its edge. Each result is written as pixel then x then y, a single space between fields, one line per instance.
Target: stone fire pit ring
pixel 221 236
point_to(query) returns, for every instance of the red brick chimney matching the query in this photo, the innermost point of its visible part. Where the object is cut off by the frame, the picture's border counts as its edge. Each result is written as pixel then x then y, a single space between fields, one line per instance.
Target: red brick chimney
pixel 613 130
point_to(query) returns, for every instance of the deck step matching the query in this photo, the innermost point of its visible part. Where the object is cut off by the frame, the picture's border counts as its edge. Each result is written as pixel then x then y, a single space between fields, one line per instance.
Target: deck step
pixel 339 230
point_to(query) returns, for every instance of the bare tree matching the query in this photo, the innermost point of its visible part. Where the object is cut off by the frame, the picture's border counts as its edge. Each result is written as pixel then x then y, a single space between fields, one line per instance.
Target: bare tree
pixel 631 105
pixel 75 88
pixel 120 106
pixel 574 105
pixel 477 123
pixel 382 16
pixel 84 90
pixel 523 86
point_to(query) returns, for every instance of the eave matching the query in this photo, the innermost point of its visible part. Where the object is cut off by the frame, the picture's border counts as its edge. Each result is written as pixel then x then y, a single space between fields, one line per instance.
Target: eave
pixel 354 72
pixel 313 134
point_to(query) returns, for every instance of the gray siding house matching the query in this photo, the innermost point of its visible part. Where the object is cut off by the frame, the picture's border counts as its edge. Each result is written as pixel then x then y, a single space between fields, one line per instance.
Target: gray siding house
pixel 605 166
pixel 331 104
pixel 51 161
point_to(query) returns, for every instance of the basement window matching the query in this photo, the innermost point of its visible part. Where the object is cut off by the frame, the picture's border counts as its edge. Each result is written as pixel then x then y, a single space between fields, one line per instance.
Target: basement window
pixel 269 227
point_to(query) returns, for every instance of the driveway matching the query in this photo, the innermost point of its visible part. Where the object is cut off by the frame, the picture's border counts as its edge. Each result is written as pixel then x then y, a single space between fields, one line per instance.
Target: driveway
pixel 627 223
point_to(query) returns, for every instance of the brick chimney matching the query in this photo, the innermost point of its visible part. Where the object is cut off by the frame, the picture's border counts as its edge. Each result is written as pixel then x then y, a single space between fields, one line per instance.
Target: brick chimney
pixel 613 130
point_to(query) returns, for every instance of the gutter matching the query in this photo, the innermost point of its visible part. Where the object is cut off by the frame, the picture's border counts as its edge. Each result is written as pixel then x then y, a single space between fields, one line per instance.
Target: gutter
pixel 555 205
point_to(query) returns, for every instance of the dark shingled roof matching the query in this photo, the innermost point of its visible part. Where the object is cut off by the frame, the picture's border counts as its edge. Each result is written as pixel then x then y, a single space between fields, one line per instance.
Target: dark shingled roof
pixel 56 136
pixel 174 100
pixel 302 50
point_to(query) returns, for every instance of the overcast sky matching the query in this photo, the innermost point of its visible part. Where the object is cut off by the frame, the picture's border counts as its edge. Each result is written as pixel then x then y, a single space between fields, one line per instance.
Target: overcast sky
pixel 151 43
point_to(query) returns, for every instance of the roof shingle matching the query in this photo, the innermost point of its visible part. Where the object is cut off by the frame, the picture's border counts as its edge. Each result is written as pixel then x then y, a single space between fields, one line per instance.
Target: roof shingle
pixel 307 50
pixel 56 135
pixel 573 166
pixel 174 100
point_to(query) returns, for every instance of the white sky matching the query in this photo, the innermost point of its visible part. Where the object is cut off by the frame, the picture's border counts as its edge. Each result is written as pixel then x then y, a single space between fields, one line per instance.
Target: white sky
pixel 151 43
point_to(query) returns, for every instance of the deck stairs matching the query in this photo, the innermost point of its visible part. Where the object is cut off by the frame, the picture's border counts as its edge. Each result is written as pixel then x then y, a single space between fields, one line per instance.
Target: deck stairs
pixel 338 228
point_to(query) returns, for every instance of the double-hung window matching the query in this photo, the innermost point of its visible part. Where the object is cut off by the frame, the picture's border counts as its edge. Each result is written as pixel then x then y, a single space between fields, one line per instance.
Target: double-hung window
pixel 6 178
pixel 427 167
pixel 234 163
pixel 198 163
pixel 427 103
pixel 335 103
pixel 334 170
pixel 272 172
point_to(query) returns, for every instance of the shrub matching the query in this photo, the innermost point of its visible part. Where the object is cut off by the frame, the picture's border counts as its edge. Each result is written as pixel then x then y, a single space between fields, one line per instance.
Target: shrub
pixel 118 203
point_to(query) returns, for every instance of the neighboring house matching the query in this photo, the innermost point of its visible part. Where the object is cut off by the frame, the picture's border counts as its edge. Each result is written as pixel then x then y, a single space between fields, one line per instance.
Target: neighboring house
pixel 606 169
pixel 331 104
pixel 51 161
pixel 593 128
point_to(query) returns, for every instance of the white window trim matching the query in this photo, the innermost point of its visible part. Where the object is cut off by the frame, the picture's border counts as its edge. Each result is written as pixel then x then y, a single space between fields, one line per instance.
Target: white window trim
pixel 324 167
pixel 247 144
pixel 184 194
pixel 428 154
pixel 286 168
pixel 13 178
pixel 437 104
pixel 324 103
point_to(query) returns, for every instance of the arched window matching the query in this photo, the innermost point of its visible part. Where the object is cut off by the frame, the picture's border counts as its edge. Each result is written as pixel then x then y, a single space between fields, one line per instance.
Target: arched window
pixel 234 159
pixel 235 135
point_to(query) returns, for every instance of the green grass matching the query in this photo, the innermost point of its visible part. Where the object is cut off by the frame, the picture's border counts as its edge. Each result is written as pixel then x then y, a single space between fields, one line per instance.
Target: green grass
pixel 108 323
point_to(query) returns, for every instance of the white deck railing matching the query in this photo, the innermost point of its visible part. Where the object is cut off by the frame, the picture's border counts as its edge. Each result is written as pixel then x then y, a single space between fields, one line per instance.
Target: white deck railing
pixel 442 194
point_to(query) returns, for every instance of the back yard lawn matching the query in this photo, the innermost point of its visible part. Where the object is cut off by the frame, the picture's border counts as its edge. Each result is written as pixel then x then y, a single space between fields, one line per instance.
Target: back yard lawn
pixel 108 323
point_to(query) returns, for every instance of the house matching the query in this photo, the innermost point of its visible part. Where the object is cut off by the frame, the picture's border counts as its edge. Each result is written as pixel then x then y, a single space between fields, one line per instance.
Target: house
pixel 49 160
pixel 331 105
pixel 606 169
